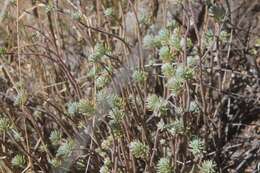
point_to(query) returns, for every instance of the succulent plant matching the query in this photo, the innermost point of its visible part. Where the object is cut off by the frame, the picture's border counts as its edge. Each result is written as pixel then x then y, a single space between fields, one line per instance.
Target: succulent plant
pixel 21 98
pixel 48 8
pixel 164 166
pixel 104 169
pixel 224 35
pixel 196 146
pixel 116 128
pixel 209 36
pixel 109 12
pixel 176 127
pixel 139 76
pixel 55 137
pixel 155 103
pixel 184 72
pixel 18 161
pixel 166 54
pixel 167 70
pixel 175 85
pixel 102 81
pixel 86 107
pixel 171 24
pixel 106 144
pixel 152 102
pixel 95 70
pixel 65 148
pixel 55 162
pixel 138 149
pixel 76 15
pixel 117 114
pixel 72 108
pixel 150 41
pixel 217 11
pixel 192 61
pixel 193 107
pixel 207 166
pixel 164 35
pixel 175 42
pixel 144 19
pixel 2 50
pixel 5 124
pixel 99 51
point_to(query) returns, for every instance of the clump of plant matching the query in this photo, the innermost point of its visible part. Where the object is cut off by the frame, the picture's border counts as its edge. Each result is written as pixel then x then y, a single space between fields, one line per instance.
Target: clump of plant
pixel 139 149
pixel 19 161
pixel 55 137
pixel 164 166
pixel 5 124
pixel 157 104
pixel 207 166
pixel 196 146
pixel 66 148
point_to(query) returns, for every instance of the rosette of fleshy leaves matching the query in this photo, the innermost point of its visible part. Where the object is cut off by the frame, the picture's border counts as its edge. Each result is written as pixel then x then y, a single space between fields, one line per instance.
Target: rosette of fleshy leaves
pixel 207 166
pixel 196 146
pixel 18 161
pixel 139 149
pixel 157 104
pixel 164 166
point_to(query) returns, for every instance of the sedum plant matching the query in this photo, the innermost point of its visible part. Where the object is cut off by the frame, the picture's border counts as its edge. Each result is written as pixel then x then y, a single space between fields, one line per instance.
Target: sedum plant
pixel 21 98
pixel 106 143
pixel 209 37
pixel 223 36
pixel 196 146
pixel 138 149
pixel 166 54
pixel 184 72
pixel 72 108
pixel 193 107
pixel 117 115
pixel 175 85
pixel 192 61
pixel 167 70
pixel 139 76
pixel 17 135
pixel 104 169
pixel 86 107
pixel 144 19
pixel 99 52
pixel 164 166
pixel 164 35
pixel 102 81
pixel 155 103
pixel 65 148
pixel 112 101
pixel 5 124
pixel 150 41
pixel 55 137
pixel 2 50
pixel 217 12
pixel 175 42
pixel 106 166
pixel 55 162
pixel 176 127
pixel 207 166
pixel 109 12
pixel 18 161
pixel 171 24
pixel 94 71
